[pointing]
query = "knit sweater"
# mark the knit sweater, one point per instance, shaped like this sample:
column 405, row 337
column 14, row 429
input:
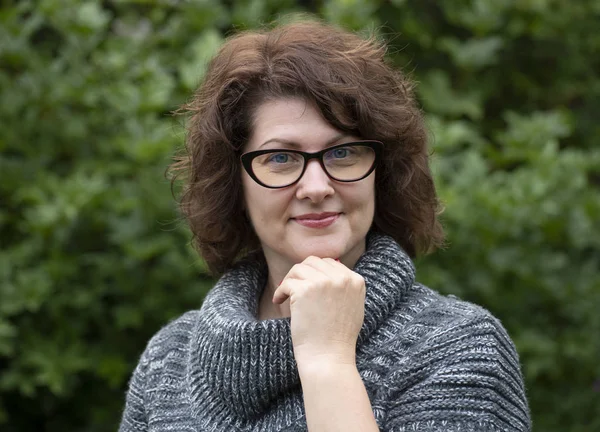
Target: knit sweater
column 429, row 362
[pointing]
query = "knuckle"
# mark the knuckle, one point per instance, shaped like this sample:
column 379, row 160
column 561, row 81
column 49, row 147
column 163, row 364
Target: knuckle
column 296, row 268
column 358, row 281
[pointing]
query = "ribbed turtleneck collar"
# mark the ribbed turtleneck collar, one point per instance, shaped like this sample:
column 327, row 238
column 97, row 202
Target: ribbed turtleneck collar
column 250, row 363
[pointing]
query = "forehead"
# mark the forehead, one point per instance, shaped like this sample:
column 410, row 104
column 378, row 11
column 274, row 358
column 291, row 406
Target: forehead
column 291, row 122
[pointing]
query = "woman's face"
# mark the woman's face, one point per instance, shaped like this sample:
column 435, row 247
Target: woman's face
column 276, row 214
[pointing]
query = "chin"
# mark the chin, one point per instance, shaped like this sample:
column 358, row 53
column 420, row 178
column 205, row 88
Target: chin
column 320, row 247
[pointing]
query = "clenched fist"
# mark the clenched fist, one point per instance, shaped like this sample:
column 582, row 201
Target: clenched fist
column 327, row 304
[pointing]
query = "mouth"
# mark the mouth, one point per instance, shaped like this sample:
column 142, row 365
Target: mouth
column 317, row 220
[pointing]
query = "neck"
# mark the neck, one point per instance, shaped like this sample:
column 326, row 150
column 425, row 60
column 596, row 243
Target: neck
column 266, row 308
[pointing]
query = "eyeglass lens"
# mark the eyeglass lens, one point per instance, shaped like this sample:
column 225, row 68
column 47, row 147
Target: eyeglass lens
column 281, row 168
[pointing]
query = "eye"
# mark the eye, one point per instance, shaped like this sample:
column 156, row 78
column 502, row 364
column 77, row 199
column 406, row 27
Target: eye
column 340, row 153
column 279, row 158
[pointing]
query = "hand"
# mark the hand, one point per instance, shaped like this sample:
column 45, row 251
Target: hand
column 327, row 304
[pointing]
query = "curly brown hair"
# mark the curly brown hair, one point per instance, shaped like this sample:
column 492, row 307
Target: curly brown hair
column 350, row 81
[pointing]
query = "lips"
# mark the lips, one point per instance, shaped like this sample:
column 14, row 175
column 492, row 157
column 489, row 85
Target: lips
column 317, row 220
column 316, row 216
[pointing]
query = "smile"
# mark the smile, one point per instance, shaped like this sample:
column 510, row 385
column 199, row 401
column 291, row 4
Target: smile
column 316, row 220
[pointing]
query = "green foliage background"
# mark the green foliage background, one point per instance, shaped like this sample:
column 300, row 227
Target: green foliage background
column 93, row 262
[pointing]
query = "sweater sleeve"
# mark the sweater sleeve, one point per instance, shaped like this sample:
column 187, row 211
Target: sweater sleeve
column 464, row 377
column 134, row 417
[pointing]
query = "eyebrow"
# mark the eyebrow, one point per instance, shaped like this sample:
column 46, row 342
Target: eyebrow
column 295, row 145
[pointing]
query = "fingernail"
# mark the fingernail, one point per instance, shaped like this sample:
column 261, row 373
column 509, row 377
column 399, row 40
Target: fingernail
column 337, row 259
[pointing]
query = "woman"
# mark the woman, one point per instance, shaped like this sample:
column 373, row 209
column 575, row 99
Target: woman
column 308, row 190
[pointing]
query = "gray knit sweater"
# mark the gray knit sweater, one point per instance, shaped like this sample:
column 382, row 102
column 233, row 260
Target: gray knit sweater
column 429, row 362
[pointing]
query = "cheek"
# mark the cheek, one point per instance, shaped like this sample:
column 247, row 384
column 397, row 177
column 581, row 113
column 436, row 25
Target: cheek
column 363, row 198
column 251, row 195
column 254, row 204
column 364, row 205
column 264, row 205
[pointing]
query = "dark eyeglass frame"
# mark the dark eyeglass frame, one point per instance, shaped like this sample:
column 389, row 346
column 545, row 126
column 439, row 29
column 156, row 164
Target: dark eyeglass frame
column 247, row 158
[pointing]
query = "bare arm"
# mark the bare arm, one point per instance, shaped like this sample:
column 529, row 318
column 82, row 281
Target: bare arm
column 335, row 398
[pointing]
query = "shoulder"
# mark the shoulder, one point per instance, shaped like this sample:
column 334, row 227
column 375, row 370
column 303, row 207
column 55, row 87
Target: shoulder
column 439, row 317
column 456, row 358
column 447, row 329
column 173, row 336
column 165, row 355
column 170, row 343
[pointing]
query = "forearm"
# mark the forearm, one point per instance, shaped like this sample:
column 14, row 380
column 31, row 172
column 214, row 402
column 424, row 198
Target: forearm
column 335, row 399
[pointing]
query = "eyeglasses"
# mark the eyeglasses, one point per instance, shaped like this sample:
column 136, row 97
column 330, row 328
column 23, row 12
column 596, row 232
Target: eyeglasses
column 279, row 168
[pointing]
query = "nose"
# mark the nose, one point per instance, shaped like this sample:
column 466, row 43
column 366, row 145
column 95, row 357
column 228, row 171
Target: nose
column 314, row 184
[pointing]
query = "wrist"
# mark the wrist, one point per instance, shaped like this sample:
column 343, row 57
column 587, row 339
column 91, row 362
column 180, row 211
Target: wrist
column 326, row 365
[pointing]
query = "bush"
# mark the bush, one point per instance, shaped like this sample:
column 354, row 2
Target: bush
column 93, row 259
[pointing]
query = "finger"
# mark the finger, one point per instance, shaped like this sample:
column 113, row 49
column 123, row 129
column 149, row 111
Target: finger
column 328, row 266
column 338, row 271
column 286, row 289
column 305, row 271
column 323, row 265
